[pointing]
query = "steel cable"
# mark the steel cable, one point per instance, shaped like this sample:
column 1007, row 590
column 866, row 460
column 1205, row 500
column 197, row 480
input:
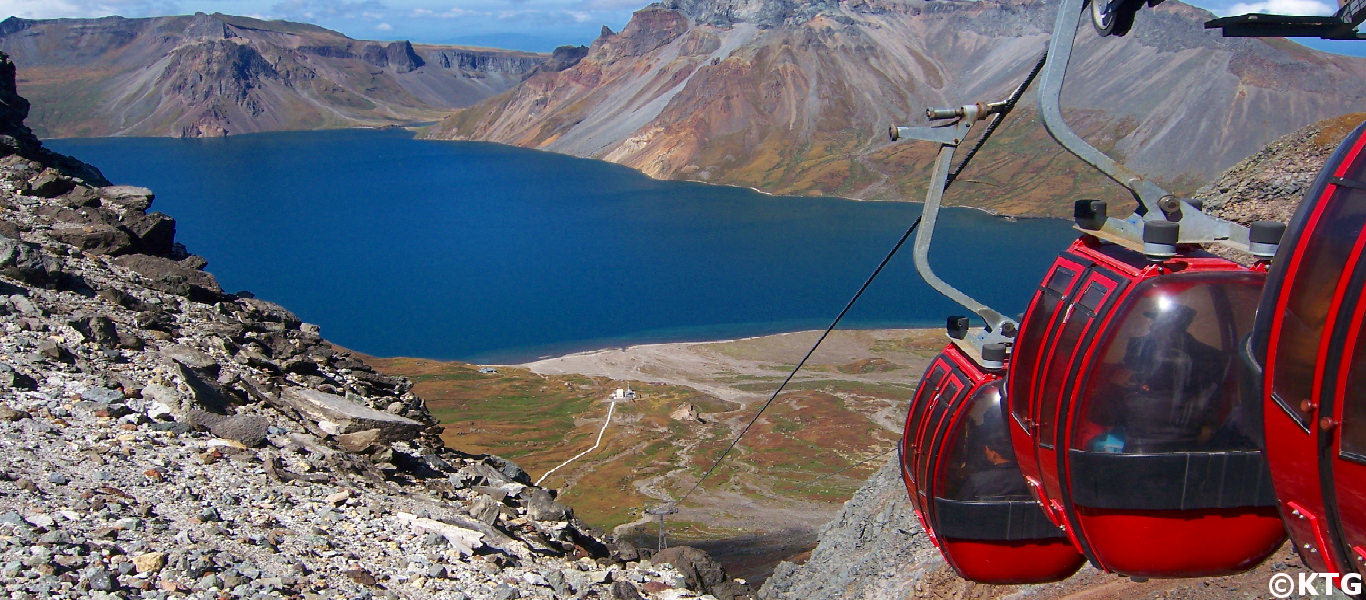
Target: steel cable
column 986, row 134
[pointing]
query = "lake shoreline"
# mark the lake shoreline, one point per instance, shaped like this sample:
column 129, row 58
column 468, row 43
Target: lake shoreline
column 697, row 365
column 491, row 253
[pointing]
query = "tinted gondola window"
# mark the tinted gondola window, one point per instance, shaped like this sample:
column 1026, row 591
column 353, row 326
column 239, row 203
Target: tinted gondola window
column 1049, row 298
column 981, row 462
column 920, row 405
column 1354, row 402
column 938, row 413
column 1060, row 364
column 1309, row 296
column 1169, row 378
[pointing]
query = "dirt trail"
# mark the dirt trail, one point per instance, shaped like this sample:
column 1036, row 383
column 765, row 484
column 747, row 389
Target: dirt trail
column 873, row 370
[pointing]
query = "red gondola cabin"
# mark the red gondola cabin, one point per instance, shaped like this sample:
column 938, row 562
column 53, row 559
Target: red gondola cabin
column 1124, row 409
column 960, row 471
column 1308, row 342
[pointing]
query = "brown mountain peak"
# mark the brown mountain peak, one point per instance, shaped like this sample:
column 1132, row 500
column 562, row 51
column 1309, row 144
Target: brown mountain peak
column 792, row 98
column 762, row 13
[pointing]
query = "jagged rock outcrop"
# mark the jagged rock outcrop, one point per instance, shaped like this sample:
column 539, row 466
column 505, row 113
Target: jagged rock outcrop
column 213, row 75
column 764, row 13
column 795, row 97
column 702, row 572
column 873, row 549
column 164, row 438
column 562, row 58
column 399, row 56
column 17, row 141
column 1270, row 184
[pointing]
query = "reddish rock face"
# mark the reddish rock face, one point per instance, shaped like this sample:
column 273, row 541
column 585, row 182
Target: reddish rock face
column 649, row 29
column 793, row 98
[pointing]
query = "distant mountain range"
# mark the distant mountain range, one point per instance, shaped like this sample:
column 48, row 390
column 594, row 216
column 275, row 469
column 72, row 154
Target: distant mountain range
column 211, row 75
column 795, row 97
column 784, row 96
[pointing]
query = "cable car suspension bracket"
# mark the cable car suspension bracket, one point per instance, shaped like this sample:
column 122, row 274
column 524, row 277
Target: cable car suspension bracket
column 999, row 328
column 1155, row 203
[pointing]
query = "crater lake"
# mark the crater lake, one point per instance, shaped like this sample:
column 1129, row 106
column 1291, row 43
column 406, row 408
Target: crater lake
column 487, row 253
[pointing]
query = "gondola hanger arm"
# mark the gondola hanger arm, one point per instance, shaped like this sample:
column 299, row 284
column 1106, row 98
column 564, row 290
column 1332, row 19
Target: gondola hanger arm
column 1154, row 202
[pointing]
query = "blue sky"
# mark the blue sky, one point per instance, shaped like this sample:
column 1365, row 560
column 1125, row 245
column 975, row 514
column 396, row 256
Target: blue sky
column 523, row 24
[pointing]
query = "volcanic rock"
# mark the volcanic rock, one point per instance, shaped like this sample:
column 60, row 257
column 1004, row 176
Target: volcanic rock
column 337, row 415
column 702, row 572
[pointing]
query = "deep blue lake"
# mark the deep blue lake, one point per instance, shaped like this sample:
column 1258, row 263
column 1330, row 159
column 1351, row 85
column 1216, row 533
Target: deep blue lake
column 487, row 253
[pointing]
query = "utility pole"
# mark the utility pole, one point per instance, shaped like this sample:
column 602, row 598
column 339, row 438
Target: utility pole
column 660, row 511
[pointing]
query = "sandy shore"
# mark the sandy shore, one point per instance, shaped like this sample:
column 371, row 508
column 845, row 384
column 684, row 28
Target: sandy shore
column 885, row 363
column 718, row 368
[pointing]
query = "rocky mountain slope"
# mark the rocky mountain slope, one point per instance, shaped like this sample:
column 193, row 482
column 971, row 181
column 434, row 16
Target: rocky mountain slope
column 876, row 549
column 796, row 97
column 211, row 75
column 162, row 438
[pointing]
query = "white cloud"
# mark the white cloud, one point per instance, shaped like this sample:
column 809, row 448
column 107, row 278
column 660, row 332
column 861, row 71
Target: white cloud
column 292, row 9
column 384, row 27
column 56, row 9
column 452, row 13
column 546, row 16
column 611, row 5
column 1283, row 7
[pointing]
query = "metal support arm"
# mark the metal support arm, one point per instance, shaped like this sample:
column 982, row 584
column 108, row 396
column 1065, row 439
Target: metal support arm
column 1154, row 202
column 948, row 138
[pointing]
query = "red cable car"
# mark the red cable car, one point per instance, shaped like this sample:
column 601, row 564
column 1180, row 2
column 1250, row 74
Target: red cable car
column 959, row 468
column 1308, row 344
column 1124, row 408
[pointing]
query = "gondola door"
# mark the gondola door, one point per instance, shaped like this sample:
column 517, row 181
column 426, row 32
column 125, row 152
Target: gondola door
column 1062, row 352
column 1345, row 468
column 1308, row 340
column 1342, row 410
column 913, row 447
column 1049, row 308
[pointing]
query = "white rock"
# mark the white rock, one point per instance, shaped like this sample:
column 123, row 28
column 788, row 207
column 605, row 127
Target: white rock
column 40, row 520
column 464, row 540
column 156, row 410
column 346, row 416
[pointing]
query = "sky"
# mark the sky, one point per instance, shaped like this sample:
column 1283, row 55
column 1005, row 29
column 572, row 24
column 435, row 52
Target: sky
column 537, row 25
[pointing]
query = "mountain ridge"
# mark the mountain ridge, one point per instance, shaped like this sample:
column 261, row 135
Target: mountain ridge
column 794, row 101
column 208, row 75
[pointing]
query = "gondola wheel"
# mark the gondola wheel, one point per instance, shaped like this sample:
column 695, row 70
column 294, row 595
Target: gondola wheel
column 1113, row 17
